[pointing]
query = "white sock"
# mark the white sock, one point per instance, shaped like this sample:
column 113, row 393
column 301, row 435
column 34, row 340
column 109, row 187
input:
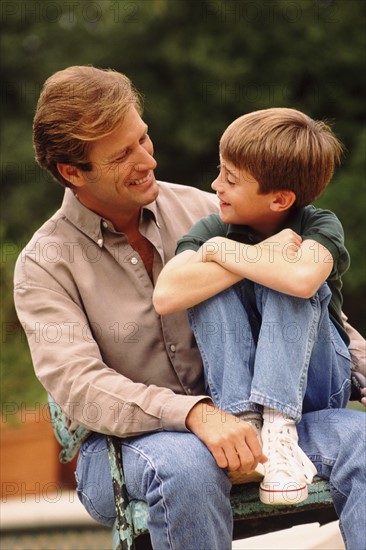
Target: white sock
column 273, row 416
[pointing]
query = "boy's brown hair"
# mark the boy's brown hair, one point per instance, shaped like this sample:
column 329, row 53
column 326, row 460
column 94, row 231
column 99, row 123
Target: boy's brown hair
column 77, row 106
column 283, row 149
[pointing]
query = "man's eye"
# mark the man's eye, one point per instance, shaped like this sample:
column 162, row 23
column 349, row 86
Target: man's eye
column 121, row 157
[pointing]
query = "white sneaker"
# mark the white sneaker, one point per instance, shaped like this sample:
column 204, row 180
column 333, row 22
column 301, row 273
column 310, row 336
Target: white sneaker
column 256, row 475
column 288, row 470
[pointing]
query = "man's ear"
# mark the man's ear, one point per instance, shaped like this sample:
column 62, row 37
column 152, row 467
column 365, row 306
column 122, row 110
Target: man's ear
column 282, row 200
column 71, row 174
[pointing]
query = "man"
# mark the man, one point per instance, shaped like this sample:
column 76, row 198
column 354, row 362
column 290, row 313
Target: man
column 83, row 292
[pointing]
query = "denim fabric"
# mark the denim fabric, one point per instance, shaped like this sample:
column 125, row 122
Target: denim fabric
column 298, row 363
column 335, row 441
column 188, row 494
column 297, row 358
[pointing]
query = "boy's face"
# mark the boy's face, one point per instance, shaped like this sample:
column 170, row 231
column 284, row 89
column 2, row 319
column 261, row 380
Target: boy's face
column 240, row 201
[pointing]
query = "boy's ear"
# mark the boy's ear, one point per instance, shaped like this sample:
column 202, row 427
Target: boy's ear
column 282, row 200
column 71, row 173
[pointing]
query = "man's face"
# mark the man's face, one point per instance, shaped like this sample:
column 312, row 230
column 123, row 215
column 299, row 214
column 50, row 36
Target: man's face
column 122, row 178
column 240, row 200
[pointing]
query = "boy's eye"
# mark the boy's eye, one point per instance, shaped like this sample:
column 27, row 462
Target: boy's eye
column 226, row 175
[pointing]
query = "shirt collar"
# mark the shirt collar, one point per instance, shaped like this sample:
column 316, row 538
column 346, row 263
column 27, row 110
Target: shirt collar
column 244, row 234
column 88, row 221
column 152, row 207
column 294, row 221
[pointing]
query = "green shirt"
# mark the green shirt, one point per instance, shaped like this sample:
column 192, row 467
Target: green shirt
column 309, row 222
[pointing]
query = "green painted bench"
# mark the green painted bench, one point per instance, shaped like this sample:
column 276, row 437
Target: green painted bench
column 251, row 517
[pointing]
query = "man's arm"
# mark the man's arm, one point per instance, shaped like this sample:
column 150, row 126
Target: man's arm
column 69, row 364
column 357, row 348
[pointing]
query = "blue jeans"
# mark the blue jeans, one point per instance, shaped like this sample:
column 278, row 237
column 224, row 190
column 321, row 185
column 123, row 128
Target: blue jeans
column 188, row 495
column 285, row 353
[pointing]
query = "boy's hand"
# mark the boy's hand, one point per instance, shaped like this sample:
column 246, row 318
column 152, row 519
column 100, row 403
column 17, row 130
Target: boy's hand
column 286, row 242
column 283, row 262
column 212, row 249
column 232, row 442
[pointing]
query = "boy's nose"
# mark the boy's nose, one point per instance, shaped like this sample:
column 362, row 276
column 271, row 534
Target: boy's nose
column 215, row 185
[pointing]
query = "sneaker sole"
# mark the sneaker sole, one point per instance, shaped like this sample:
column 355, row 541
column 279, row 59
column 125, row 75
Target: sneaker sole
column 284, row 497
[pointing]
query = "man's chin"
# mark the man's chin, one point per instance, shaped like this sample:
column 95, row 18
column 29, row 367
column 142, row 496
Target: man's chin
column 153, row 192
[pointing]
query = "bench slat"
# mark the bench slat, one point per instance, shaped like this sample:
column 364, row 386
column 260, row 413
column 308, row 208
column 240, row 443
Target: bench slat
column 252, row 517
column 245, row 501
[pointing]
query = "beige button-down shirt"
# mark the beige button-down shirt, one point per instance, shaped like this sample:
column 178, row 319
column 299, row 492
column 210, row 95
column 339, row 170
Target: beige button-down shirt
column 84, row 299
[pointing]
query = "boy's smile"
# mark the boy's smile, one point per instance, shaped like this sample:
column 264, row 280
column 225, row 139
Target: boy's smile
column 241, row 202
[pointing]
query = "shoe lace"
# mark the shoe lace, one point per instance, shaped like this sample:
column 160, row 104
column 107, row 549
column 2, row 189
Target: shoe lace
column 284, row 456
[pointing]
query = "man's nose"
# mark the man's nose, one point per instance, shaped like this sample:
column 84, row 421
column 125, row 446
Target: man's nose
column 145, row 161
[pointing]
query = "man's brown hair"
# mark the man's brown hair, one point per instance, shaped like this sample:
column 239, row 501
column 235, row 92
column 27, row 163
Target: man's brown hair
column 283, row 149
column 77, row 106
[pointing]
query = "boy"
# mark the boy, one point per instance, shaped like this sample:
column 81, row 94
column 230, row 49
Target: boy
column 273, row 344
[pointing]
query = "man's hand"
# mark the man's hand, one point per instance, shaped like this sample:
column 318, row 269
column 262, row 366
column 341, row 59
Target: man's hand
column 232, row 442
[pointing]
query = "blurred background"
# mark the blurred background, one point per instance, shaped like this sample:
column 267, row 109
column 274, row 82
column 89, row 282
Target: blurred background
column 199, row 65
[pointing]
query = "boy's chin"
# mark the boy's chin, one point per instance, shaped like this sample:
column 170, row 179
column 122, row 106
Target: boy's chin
column 226, row 218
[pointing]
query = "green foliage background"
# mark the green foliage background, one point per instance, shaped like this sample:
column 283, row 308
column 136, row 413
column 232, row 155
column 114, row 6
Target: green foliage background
column 199, row 64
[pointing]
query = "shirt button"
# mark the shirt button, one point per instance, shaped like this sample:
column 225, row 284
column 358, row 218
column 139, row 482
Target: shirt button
column 173, row 348
column 134, row 260
column 189, row 391
column 100, row 242
column 105, row 224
